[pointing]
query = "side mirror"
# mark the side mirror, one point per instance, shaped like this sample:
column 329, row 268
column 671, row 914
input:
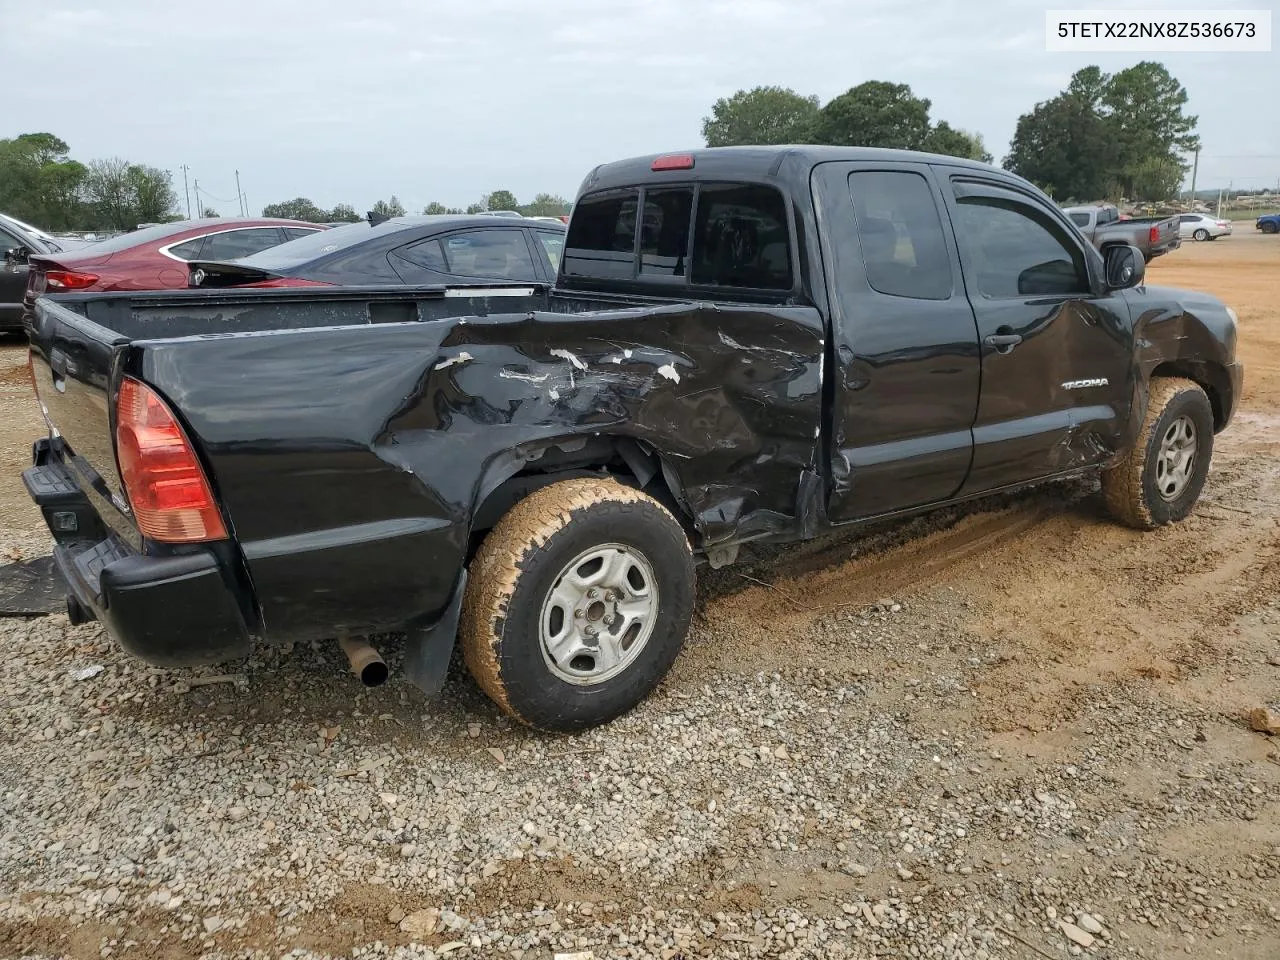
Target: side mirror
column 1125, row 266
column 16, row 255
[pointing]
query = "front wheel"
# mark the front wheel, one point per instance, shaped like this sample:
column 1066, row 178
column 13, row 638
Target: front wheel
column 577, row 604
column 1201, row 234
column 1270, row 228
column 1160, row 479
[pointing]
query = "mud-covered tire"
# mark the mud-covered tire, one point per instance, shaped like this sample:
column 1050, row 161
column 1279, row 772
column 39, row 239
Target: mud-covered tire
column 1132, row 488
column 520, row 562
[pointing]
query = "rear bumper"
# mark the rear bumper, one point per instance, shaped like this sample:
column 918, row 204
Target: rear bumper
column 167, row 610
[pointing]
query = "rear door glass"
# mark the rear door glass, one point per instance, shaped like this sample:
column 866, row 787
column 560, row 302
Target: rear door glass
column 425, row 254
column 903, row 247
column 240, row 243
column 489, row 255
column 553, row 245
column 189, row 249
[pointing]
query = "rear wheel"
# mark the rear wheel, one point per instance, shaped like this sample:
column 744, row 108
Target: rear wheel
column 1160, row 479
column 577, row 604
column 1201, row 234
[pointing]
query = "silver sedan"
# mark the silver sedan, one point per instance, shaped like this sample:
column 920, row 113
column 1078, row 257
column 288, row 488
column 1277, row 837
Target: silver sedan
column 1200, row 226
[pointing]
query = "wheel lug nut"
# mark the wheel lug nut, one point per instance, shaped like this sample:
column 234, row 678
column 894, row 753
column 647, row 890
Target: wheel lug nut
column 590, row 631
column 579, row 614
column 593, row 593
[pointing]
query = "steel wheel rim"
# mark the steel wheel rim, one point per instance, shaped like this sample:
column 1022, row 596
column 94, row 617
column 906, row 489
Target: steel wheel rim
column 598, row 614
column 1176, row 461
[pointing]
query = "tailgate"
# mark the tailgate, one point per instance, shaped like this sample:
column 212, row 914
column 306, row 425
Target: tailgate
column 72, row 360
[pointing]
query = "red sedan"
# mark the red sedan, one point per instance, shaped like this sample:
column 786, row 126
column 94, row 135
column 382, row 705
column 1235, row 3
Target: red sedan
column 155, row 258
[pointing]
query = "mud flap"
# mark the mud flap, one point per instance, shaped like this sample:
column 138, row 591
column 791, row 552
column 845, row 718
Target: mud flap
column 428, row 650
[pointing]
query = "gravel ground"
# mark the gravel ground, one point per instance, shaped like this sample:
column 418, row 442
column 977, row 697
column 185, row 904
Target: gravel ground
column 1010, row 731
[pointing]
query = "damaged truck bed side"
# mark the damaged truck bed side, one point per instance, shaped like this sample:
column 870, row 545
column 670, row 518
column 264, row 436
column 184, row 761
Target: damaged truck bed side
column 743, row 344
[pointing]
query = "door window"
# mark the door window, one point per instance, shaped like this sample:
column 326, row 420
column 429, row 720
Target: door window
column 903, row 246
column 489, row 255
column 235, row 244
column 1017, row 251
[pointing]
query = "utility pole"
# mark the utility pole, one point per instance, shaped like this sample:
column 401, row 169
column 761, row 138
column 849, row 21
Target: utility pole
column 1195, row 168
column 240, row 195
column 245, row 197
column 186, row 189
column 199, row 208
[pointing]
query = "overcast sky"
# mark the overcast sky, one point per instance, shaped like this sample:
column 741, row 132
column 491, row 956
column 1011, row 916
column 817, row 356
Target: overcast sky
column 352, row 100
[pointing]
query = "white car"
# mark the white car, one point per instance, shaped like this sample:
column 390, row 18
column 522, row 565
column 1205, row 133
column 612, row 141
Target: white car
column 1200, row 226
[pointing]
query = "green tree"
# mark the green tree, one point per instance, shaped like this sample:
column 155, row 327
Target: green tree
column 875, row 114
column 299, row 208
column 153, row 193
column 1155, row 178
column 210, row 212
column 1108, row 136
column 947, row 140
column 501, row 200
column 475, row 208
column 435, row 209
column 1064, row 145
column 39, row 183
column 388, row 208
column 343, row 213
column 110, row 192
column 1144, row 107
column 546, row 205
column 762, row 115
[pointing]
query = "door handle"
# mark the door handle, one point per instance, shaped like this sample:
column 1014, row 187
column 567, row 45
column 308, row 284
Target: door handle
column 1003, row 342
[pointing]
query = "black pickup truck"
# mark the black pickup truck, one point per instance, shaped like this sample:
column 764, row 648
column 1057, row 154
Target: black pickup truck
column 743, row 344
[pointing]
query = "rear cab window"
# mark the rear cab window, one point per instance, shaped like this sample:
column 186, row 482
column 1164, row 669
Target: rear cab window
column 709, row 235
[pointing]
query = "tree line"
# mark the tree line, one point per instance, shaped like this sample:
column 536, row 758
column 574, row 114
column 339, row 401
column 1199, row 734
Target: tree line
column 1106, row 136
column 301, row 208
column 41, row 184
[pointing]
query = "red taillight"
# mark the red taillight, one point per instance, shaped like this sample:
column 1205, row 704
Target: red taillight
column 287, row 282
column 1153, row 235
column 673, row 161
column 63, row 280
column 564, row 219
column 168, row 491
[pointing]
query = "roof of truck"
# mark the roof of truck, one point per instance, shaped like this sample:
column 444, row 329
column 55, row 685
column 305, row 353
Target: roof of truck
column 758, row 162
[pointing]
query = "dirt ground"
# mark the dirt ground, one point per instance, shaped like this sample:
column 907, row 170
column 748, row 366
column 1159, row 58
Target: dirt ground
column 1132, row 657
